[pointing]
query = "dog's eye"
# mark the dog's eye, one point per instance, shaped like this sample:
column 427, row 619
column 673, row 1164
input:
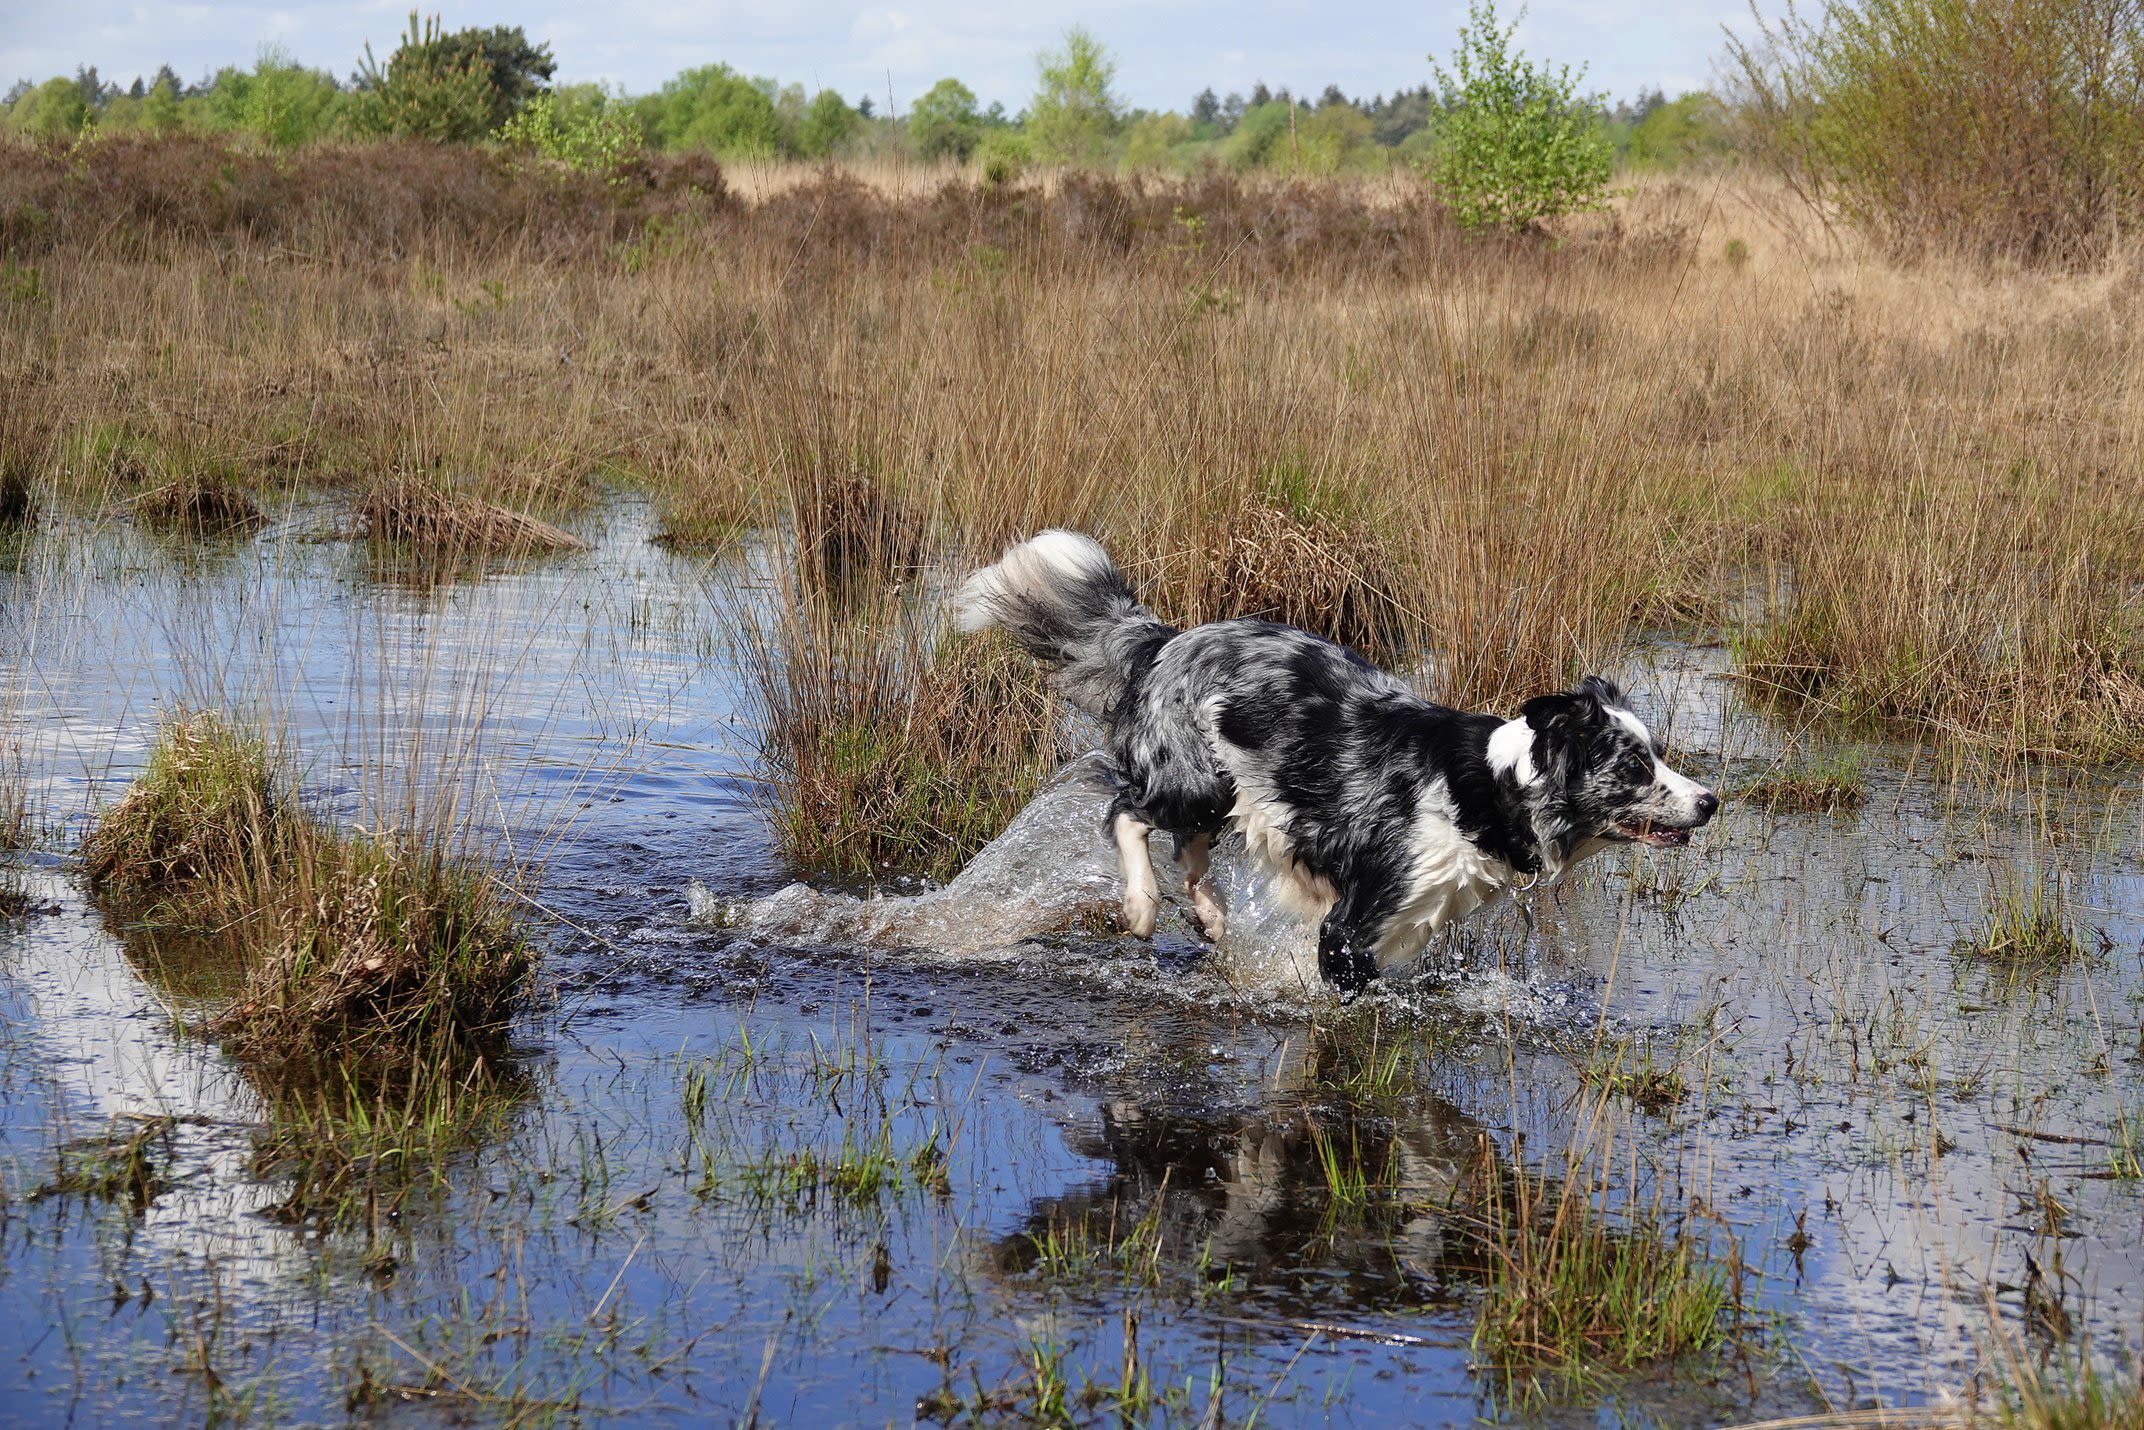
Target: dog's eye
column 1638, row 769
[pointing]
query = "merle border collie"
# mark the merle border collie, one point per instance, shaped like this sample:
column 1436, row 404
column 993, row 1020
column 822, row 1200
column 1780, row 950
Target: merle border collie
column 1374, row 811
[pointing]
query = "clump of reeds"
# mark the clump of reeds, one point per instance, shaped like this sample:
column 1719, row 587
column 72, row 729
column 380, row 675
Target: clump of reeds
column 202, row 810
column 2027, row 922
column 198, row 504
column 896, row 750
column 372, row 947
column 1821, row 784
column 1292, row 563
column 847, row 525
column 423, row 517
column 1572, row 1290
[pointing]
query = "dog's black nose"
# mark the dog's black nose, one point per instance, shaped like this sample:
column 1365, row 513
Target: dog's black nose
column 1708, row 804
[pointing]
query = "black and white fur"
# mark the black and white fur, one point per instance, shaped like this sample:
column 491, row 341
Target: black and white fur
column 1377, row 812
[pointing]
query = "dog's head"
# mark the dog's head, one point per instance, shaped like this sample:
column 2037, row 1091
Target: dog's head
column 1593, row 775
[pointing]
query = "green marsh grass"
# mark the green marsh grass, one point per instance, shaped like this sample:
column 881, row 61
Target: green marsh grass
column 1819, row 784
column 891, row 745
column 124, row 1166
column 359, row 946
column 2027, row 923
column 1574, row 1290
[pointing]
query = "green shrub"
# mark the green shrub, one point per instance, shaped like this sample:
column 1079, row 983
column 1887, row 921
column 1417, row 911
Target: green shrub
column 278, row 101
column 1517, row 143
column 53, row 110
column 1685, row 131
column 717, row 109
column 2006, row 128
column 579, row 127
column 1074, row 112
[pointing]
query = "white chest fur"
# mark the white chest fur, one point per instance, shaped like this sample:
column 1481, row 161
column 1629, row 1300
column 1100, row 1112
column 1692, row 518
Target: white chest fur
column 1446, row 878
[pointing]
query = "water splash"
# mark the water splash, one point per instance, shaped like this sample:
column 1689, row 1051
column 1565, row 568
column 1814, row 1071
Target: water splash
column 1052, row 871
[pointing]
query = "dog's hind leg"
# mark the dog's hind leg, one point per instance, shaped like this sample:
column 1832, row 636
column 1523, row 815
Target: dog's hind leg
column 1142, row 896
column 1195, row 853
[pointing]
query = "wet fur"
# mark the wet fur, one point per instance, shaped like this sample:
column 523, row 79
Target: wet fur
column 1378, row 813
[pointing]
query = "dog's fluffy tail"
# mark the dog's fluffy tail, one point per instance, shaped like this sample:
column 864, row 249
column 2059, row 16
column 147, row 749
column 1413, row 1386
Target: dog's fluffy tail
column 1063, row 601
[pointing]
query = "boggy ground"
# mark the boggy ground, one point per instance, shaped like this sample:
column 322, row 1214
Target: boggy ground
column 600, row 531
column 1082, row 1179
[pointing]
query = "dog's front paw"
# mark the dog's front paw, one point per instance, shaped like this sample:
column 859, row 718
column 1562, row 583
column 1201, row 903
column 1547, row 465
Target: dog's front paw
column 1213, row 918
column 1140, row 910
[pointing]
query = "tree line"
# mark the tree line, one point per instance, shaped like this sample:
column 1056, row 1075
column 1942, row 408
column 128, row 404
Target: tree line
column 483, row 84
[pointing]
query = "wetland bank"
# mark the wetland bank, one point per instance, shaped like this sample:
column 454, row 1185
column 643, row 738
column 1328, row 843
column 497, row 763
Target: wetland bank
column 1840, row 1107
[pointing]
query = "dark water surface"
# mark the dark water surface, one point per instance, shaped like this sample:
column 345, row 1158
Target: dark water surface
column 1075, row 1146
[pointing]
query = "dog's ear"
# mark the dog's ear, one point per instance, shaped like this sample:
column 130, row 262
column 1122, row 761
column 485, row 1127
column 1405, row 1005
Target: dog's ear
column 1570, row 712
column 1566, row 724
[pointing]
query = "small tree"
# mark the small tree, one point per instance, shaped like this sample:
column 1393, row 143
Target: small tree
column 827, row 124
column 1517, row 143
column 715, row 108
column 580, row 126
column 454, row 87
column 1074, row 112
column 943, row 121
column 53, row 110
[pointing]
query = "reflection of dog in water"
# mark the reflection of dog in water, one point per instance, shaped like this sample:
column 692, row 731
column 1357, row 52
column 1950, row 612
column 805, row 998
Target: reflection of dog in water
column 1374, row 810
column 1261, row 1193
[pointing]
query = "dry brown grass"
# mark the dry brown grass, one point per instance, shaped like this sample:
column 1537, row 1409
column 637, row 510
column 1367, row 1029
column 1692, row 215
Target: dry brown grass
column 414, row 513
column 198, row 505
column 1312, row 400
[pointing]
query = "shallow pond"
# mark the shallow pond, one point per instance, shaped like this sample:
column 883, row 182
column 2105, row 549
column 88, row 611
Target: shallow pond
column 1068, row 1160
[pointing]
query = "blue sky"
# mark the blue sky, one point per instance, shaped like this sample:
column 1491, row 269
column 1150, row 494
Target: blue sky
column 1167, row 49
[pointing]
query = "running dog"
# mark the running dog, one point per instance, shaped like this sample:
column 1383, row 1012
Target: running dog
column 1374, row 811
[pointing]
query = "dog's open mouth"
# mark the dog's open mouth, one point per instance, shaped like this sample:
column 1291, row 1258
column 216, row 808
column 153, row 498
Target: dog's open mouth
column 1660, row 836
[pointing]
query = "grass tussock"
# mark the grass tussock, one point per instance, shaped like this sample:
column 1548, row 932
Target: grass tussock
column 890, row 745
column 198, row 505
column 1822, row 784
column 378, row 949
column 2027, row 923
column 1294, row 564
column 418, row 516
column 1572, row 1290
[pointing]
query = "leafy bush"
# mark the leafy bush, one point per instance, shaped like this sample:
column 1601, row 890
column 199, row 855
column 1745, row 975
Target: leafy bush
column 717, row 109
column 1517, row 143
column 1682, row 132
column 278, row 101
column 2005, row 127
column 825, row 126
column 580, row 127
column 53, row 110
